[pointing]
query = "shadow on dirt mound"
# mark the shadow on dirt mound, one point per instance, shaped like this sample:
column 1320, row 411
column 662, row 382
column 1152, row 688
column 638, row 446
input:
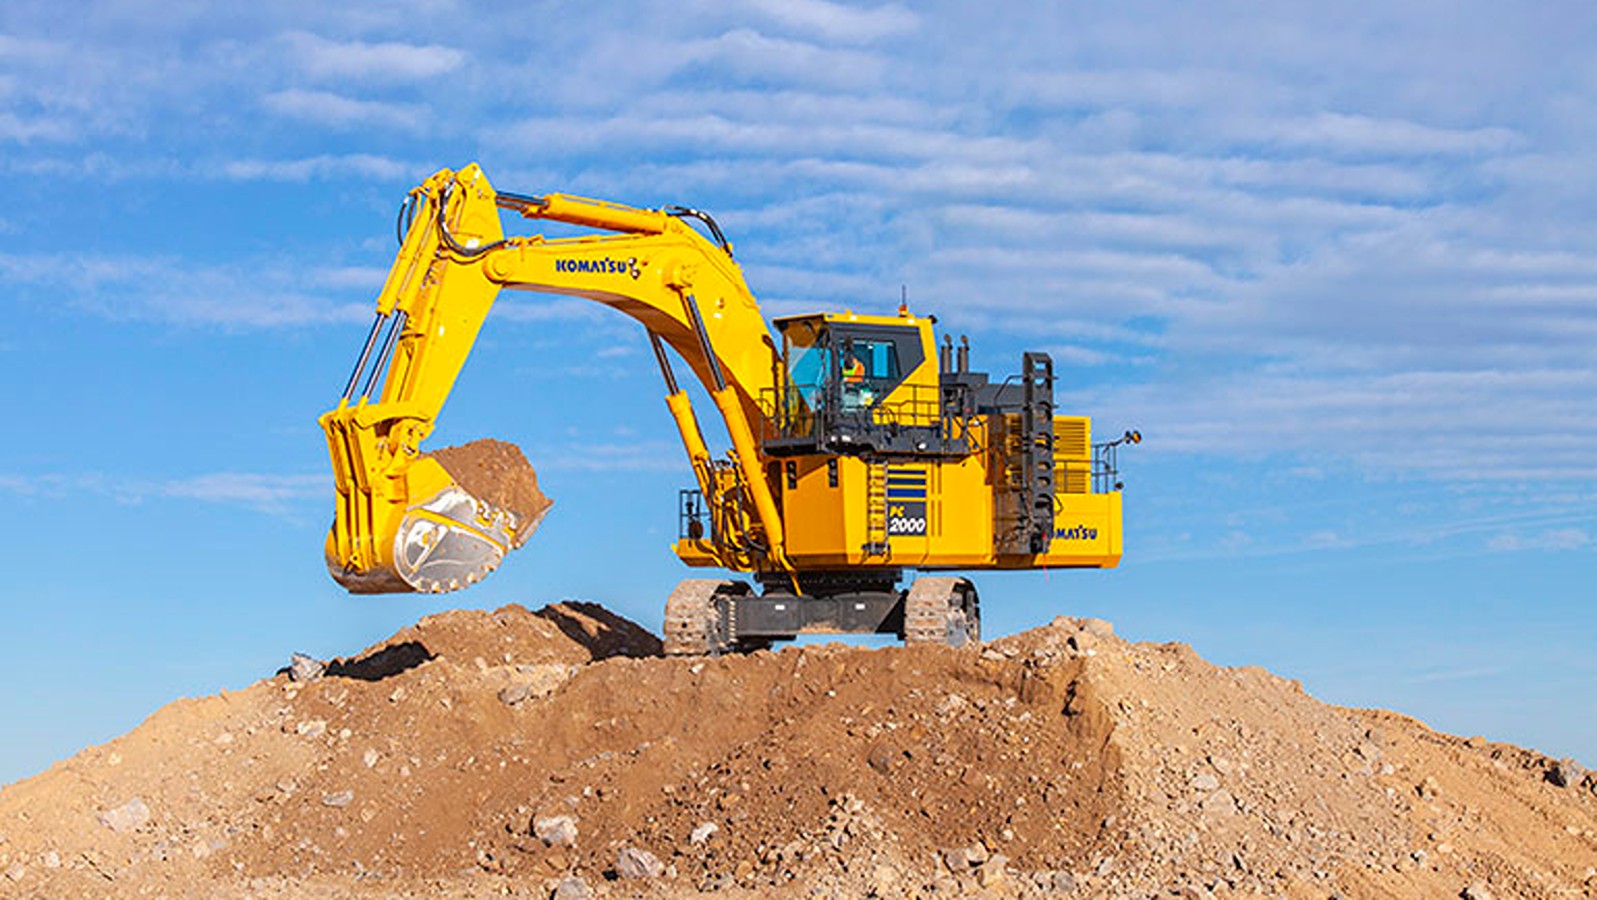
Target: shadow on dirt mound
column 379, row 664
column 599, row 631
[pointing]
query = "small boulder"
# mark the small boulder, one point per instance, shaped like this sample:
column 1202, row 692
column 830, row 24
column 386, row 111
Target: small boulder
column 1476, row 891
column 305, row 668
column 993, row 872
column 514, row 694
column 957, row 860
column 1098, row 628
column 338, row 799
column 1565, row 773
column 572, row 888
column 127, row 817
column 633, row 862
column 555, row 831
column 1219, row 803
column 1062, row 883
column 703, row 833
column 951, row 704
column 884, row 880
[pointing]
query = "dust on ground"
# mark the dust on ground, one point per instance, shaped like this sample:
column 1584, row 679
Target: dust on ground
column 556, row 753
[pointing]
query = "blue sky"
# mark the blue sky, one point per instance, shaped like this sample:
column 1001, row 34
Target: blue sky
column 1339, row 265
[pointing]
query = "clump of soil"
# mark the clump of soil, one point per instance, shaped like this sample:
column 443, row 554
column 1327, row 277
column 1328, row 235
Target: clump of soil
column 513, row 752
column 498, row 473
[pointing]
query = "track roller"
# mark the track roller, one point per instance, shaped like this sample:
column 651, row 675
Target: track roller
column 941, row 610
column 696, row 618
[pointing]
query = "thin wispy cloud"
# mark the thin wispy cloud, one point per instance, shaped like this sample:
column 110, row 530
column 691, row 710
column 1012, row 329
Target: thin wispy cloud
column 1555, row 539
column 840, row 22
column 322, row 58
column 600, row 456
column 357, row 165
column 1340, row 133
column 326, row 108
column 269, row 493
column 162, row 289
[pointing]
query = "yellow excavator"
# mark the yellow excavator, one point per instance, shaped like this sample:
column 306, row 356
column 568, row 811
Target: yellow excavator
column 859, row 448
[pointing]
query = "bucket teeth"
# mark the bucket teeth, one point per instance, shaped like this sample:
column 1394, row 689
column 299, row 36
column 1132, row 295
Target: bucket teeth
column 433, row 523
column 443, row 544
column 451, row 540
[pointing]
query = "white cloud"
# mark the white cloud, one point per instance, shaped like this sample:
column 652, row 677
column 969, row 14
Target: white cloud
column 1464, row 426
column 271, row 493
column 800, row 139
column 1567, row 539
column 587, row 456
column 259, row 295
column 339, row 111
column 366, row 278
column 262, row 492
column 1159, row 88
column 14, row 49
column 1555, row 539
column 1326, row 539
column 359, row 165
column 838, row 22
column 1344, row 133
column 748, row 54
column 24, row 130
column 323, row 58
column 1080, row 356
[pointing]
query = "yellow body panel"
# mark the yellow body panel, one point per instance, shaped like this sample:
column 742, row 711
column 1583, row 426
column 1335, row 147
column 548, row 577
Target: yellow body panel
column 826, row 505
column 1086, row 532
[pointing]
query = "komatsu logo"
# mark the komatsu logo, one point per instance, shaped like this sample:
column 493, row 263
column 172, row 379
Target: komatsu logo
column 605, row 266
column 1078, row 533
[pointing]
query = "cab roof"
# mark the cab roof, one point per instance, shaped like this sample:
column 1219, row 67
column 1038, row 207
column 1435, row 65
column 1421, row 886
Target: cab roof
column 847, row 317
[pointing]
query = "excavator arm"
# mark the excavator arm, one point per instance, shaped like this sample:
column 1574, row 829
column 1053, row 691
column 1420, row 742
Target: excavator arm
column 403, row 521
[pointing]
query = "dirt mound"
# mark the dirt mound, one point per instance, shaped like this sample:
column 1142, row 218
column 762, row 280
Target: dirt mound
column 497, row 472
column 481, row 753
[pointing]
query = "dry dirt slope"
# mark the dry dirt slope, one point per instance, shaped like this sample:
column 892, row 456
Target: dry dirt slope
column 484, row 754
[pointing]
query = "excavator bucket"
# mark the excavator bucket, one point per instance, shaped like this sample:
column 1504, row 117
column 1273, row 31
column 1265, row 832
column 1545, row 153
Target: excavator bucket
column 436, row 523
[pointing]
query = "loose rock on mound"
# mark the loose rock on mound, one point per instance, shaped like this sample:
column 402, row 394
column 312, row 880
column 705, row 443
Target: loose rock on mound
column 522, row 753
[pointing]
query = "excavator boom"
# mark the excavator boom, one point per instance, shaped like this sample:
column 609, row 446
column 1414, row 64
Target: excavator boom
column 404, row 522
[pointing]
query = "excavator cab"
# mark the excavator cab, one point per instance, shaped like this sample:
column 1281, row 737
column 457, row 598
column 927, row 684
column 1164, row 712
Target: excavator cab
column 851, row 384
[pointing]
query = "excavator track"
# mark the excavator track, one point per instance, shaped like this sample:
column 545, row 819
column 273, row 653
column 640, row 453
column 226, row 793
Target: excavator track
column 693, row 623
column 941, row 610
